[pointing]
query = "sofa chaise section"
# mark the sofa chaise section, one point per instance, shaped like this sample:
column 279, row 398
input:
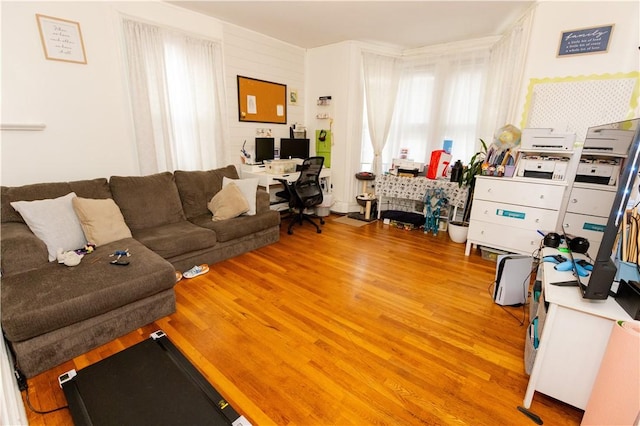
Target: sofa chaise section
column 51, row 312
column 54, row 313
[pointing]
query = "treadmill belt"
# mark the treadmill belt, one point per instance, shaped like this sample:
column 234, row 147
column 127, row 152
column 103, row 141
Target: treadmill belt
column 150, row 383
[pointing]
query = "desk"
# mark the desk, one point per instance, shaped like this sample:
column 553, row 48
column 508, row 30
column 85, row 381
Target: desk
column 413, row 189
column 573, row 340
column 268, row 179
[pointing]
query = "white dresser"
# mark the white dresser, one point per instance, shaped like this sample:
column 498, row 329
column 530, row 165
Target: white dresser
column 508, row 212
column 588, row 210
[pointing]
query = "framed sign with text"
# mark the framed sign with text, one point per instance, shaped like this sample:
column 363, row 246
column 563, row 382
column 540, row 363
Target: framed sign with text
column 585, row 40
column 61, row 39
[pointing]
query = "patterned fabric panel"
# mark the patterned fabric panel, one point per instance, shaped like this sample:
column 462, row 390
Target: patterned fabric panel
column 416, row 188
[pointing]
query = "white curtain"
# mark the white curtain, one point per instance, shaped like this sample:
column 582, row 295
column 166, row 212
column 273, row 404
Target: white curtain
column 439, row 99
column 177, row 96
column 507, row 72
column 381, row 77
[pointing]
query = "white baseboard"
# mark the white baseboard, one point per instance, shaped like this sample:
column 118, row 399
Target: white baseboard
column 11, row 407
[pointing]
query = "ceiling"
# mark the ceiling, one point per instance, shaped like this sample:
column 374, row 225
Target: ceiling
column 404, row 24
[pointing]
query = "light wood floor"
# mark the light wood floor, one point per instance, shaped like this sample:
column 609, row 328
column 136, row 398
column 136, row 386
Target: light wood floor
column 362, row 326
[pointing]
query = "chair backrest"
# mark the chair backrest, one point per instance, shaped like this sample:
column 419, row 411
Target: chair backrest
column 307, row 186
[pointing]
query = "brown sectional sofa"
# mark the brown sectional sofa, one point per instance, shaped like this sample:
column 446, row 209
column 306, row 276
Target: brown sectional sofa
column 52, row 313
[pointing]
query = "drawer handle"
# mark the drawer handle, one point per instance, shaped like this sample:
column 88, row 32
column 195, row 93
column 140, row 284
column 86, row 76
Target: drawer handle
column 486, row 211
column 574, row 200
column 542, row 197
column 537, row 220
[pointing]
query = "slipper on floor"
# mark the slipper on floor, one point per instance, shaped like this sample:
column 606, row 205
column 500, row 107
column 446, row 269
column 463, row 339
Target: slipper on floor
column 195, row 271
column 178, row 276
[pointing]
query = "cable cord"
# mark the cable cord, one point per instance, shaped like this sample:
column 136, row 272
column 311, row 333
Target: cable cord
column 23, row 385
column 520, row 321
column 31, row 407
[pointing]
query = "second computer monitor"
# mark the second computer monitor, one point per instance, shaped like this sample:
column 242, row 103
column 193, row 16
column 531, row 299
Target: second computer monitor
column 294, row 148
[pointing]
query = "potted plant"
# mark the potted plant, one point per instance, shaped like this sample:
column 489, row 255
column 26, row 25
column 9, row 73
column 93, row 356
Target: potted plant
column 458, row 229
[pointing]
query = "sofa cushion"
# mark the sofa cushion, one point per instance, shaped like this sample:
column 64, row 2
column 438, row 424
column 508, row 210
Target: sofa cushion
column 240, row 226
column 249, row 188
column 176, row 238
column 92, row 188
column 101, row 220
column 228, row 203
column 55, row 296
column 21, row 250
column 147, row 201
column 54, row 221
column 198, row 187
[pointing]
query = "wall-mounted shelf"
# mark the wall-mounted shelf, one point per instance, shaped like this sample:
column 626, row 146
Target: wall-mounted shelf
column 23, row 126
column 323, row 102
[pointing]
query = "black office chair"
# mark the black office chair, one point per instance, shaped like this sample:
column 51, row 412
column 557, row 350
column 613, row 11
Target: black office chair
column 304, row 193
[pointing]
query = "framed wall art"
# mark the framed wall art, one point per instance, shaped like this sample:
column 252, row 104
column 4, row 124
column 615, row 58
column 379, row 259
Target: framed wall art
column 585, row 40
column 61, row 39
column 261, row 101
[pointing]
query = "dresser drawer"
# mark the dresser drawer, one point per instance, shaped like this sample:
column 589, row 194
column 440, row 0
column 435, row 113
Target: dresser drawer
column 502, row 190
column 589, row 227
column 517, row 240
column 591, row 201
column 513, row 215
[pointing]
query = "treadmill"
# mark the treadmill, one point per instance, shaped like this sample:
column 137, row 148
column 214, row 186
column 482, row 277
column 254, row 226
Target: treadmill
column 150, row 383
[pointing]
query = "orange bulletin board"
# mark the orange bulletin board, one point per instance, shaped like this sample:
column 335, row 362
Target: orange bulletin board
column 261, row 101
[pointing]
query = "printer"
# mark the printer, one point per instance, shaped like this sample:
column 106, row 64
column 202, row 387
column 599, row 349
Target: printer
column 543, row 167
column 600, row 171
column 610, row 141
column 546, row 139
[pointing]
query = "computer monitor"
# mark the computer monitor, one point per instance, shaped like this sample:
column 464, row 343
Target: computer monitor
column 294, row 148
column 264, row 149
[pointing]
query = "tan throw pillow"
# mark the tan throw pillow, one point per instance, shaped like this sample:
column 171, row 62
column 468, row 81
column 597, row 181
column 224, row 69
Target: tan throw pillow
column 227, row 203
column 248, row 187
column 101, row 220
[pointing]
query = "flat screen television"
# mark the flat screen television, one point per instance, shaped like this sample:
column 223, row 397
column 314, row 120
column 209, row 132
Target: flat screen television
column 294, row 148
column 264, row 149
column 597, row 284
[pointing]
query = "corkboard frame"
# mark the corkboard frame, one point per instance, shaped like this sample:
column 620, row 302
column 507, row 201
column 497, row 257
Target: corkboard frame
column 261, row 101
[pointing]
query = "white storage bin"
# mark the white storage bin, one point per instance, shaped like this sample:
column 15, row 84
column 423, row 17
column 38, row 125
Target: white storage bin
column 324, row 208
column 279, row 167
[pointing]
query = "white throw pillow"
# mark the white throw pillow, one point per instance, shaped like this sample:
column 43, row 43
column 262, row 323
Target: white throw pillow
column 249, row 187
column 54, row 221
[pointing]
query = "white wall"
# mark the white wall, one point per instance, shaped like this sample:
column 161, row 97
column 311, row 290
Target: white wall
column 250, row 54
column 554, row 17
column 82, row 106
column 86, row 107
column 335, row 71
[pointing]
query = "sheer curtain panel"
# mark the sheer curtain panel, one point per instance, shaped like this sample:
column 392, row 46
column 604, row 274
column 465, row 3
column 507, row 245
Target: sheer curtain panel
column 506, row 68
column 177, row 97
column 381, row 77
